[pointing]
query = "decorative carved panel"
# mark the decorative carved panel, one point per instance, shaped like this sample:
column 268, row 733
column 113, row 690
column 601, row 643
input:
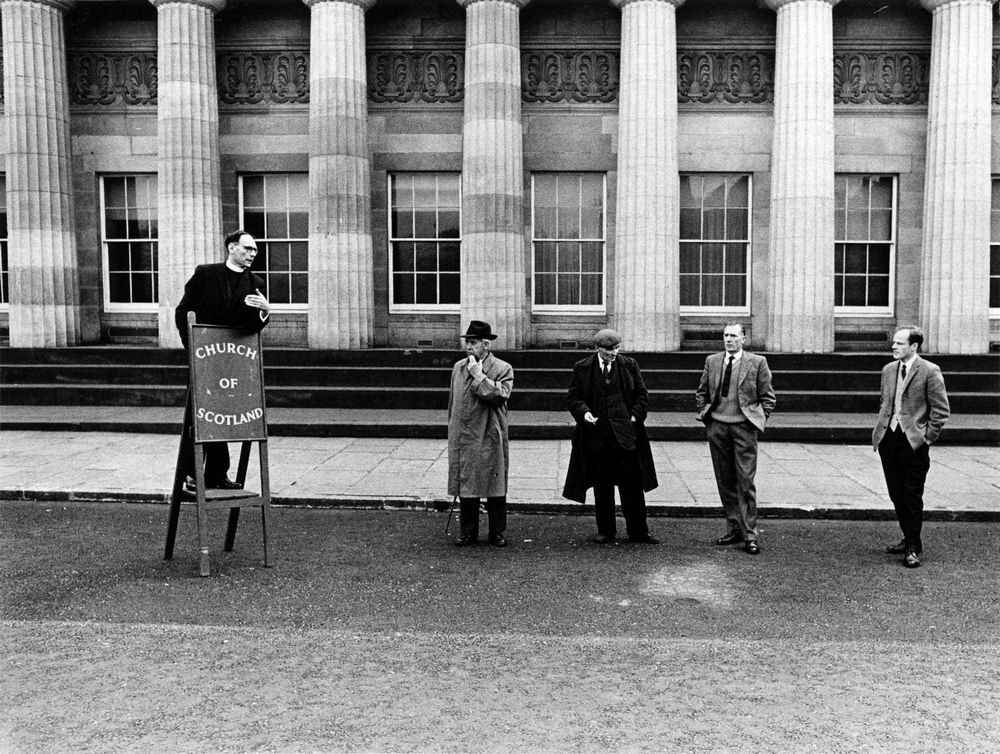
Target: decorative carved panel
column 416, row 76
column 880, row 78
column 569, row 75
column 112, row 78
column 252, row 78
column 739, row 78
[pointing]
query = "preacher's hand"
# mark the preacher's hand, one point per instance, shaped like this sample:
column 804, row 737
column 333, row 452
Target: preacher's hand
column 258, row 301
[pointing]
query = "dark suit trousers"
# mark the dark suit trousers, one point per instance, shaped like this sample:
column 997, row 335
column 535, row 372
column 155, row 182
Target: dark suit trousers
column 496, row 511
column 216, row 453
column 734, row 458
column 620, row 468
column 905, row 472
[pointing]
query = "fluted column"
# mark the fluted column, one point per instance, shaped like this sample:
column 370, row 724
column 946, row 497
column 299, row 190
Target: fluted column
column 44, row 291
column 800, row 312
column 954, row 282
column 646, row 278
column 340, row 241
column 188, row 188
column 493, row 283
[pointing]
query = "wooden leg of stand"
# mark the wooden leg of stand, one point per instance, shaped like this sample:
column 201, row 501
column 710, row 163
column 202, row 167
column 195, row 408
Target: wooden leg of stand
column 241, row 469
column 265, row 493
column 175, row 503
column 234, row 519
column 204, row 561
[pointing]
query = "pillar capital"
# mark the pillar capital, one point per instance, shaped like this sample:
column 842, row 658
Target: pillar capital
column 778, row 4
column 213, row 5
column 933, row 5
column 63, row 5
column 365, row 5
column 519, row 3
column 620, row 4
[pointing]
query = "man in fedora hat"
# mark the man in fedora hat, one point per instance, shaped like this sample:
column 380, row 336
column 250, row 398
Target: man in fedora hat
column 608, row 399
column 478, row 445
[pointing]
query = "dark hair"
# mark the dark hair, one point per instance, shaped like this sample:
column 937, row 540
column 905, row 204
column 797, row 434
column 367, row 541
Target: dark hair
column 916, row 335
column 234, row 237
column 743, row 330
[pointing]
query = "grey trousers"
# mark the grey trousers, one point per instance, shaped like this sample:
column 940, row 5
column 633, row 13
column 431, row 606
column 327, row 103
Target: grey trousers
column 734, row 458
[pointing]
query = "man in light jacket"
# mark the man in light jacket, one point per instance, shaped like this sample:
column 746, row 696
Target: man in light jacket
column 913, row 410
column 734, row 399
column 478, row 444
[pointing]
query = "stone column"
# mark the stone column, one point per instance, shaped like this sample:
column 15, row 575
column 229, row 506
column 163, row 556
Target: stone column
column 800, row 285
column 646, row 278
column 188, row 183
column 954, row 282
column 340, row 241
column 44, row 290
column 493, row 247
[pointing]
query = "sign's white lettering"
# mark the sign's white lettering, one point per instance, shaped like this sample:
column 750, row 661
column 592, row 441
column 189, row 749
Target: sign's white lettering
column 212, row 349
column 230, row 420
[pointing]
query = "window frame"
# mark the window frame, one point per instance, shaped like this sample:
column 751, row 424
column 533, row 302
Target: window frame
column 240, row 209
column 146, row 307
column 572, row 309
column 994, row 311
column 720, row 311
column 871, row 311
column 4, row 244
column 395, row 308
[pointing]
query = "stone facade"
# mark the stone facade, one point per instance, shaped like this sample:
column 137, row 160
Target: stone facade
column 741, row 97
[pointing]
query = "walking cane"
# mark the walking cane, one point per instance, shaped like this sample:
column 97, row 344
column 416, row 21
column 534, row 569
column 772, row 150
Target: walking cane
column 451, row 512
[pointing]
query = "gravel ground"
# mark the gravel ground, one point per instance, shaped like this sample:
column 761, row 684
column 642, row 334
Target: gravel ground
column 373, row 633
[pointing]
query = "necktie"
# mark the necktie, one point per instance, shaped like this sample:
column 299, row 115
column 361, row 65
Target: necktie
column 726, row 377
column 904, row 371
column 607, row 370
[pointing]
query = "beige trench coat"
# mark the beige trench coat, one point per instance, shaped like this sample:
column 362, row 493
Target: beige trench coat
column 478, row 445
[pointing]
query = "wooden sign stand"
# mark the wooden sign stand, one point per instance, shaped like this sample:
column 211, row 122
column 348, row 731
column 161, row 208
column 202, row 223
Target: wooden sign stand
column 229, row 408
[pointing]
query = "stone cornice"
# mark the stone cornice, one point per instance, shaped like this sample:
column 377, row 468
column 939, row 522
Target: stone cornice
column 622, row 3
column 213, row 5
column 519, row 3
column 777, row 4
column 365, row 5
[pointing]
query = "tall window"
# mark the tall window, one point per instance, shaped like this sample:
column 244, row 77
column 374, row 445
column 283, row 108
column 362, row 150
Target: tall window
column 275, row 211
column 4, row 279
column 715, row 243
column 994, row 248
column 865, row 243
column 425, row 241
column 129, row 241
column 567, row 234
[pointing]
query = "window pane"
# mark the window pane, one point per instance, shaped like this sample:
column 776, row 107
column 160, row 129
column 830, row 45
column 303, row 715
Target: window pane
column 277, row 225
column 838, row 259
column 739, row 192
column 253, row 191
column 591, row 257
column 545, row 256
column 878, row 290
column 689, row 290
column 402, row 223
column 427, row 289
column 275, row 192
column 426, row 258
column 114, row 192
column 118, row 288
column 402, row 288
column 298, row 191
column 878, row 259
column 714, row 223
column 735, row 289
column 736, row 224
column 545, row 289
column 854, row 290
column 545, row 222
column 881, row 192
column 448, row 224
column 448, row 257
column 714, row 191
column 298, row 225
column 881, row 225
column 591, row 290
column 448, row 191
column 402, row 256
column 450, row 288
column 278, row 287
column 424, row 190
column 838, row 290
column 569, row 222
column 857, row 224
column 425, row 223
column 736, row 258
column 142, row 256
column 995, row 260
column 142, row 288
column 115, row 223
column 690, row 258
column 995, row 293
column 277, row 257
column 711, row 290
column 690, row 223
column 299, row 256
column 856, row 259
column 300, row 288
column 711, row 257
column 118, row 257
column 253, row 223
column 545, row 190
column 569, row 290
column 690, row 193
column 569, row 258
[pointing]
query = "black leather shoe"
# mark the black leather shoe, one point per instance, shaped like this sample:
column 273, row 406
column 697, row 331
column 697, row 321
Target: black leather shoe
column 604, row 539
column 647, row 539
column 732, row 538
column 752, row 547
column 497, row 540
column 464, row 541
column 897, row 549
column 223, row 484
column 912, row 559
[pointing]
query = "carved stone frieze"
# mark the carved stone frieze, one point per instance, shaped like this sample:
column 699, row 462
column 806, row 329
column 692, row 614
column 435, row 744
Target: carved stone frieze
column 569, row 75
column 738, row 77
column 416, row 76
column 112, row 78
column 880, row 78
column 253, row 78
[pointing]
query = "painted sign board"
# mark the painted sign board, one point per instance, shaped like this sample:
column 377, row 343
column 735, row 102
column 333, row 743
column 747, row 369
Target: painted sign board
column 227, row 384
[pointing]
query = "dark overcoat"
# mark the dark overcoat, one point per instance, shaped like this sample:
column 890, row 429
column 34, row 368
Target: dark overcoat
column 589, row 440
column 207, row 293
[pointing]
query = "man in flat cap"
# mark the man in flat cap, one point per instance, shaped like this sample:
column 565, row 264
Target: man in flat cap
column 478, row 444
column 609, row 401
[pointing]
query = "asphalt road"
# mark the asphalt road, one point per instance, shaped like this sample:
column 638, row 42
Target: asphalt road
column 373, row 633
